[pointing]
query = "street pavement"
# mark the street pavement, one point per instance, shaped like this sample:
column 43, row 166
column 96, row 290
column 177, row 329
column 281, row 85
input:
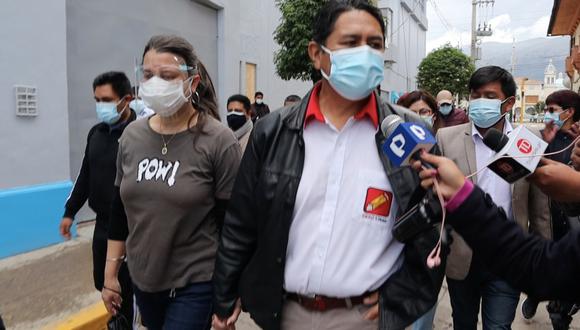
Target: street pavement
column 52, row 284
column 44, row 286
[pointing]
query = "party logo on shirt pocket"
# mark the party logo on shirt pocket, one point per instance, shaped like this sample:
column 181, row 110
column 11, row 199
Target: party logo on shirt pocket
column 378, row 202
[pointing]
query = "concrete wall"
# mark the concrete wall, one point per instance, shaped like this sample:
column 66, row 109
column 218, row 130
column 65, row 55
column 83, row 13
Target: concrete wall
column 108, row 35
column 35, row 149
column 258, row 21
column 34, row 171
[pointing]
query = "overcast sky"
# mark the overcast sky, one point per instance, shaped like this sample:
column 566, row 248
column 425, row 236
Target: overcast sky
column 522, row 19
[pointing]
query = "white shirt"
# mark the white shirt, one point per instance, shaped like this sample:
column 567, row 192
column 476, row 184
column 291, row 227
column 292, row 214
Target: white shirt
column 487, row 180
column 340, row 242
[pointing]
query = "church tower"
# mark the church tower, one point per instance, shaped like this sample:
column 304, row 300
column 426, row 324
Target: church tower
column 550, row 74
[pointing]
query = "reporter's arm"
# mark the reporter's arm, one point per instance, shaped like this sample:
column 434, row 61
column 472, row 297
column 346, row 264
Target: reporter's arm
column 543, row 269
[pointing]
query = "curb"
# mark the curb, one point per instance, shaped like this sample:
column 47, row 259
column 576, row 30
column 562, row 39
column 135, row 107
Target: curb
column 94, row 317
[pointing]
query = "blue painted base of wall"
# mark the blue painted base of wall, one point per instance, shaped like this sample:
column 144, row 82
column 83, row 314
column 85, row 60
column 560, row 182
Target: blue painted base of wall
column 30, row 217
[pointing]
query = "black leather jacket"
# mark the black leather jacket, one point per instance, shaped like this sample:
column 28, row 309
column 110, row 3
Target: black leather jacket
column 251, row 256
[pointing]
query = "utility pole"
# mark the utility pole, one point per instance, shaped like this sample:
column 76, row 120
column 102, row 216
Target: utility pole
column 523, row 101
column 474, row 31
column 513, row 60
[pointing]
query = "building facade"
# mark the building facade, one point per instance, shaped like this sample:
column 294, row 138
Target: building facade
column 406, row 33
column 534, row 91
column 55, row 48
column 565, row 21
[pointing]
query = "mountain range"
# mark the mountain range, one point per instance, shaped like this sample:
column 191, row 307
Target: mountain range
column 532, row 56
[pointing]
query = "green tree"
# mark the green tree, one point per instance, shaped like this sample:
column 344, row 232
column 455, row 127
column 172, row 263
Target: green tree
column 293, row 35
column 445, row 68
column 539, row 107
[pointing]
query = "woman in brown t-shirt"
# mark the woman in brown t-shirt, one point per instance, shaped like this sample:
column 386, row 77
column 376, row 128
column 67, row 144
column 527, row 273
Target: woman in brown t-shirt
column 175, row 172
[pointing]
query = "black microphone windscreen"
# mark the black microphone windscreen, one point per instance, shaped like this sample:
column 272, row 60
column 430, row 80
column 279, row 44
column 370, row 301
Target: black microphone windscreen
column 495, row 140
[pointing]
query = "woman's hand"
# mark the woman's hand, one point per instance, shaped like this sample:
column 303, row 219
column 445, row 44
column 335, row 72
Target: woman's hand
column 448, row 175
column 549, row 132
column 230, row 322
column 111, row 295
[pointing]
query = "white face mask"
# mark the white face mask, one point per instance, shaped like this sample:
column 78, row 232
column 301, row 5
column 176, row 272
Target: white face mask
column 164, row 97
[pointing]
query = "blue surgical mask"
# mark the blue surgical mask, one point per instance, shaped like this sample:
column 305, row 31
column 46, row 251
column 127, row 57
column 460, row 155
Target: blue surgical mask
column 445, row 109
column 485, row 112
column 555, row 117
column 355, row 72
column 428, row 120
column 137, row 105
column 107, row 112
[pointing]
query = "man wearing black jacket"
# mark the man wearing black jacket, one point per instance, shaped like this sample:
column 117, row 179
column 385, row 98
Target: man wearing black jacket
column 541, row 268
column 259, row 108
column 307, row 235
column 95, row 182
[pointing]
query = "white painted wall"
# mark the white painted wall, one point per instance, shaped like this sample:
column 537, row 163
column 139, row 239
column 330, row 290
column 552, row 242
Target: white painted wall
column 36, row 149
column 108, row 35
column 61, row 45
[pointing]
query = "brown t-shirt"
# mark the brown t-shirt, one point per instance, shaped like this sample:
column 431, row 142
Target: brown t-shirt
column 169, row 199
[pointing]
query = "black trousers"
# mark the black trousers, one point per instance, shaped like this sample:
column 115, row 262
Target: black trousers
column 99, row 259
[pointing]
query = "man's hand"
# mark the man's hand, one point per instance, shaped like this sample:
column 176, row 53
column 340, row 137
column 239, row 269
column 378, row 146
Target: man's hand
column 549, row 132
column 448, row 175
column 229, row 323
column 576, row 156
column 65, row 226
column 373, row 301
column 557, row 180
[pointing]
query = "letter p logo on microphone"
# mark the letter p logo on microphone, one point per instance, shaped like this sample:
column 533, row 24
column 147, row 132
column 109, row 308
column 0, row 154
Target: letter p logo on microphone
column 405, row 140
column 397, row 145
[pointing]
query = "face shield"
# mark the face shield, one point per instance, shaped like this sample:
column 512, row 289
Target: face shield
column 167, row 72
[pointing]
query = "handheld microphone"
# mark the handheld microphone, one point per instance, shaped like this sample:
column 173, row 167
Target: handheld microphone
column 405, row 141
column 403, row 144
column 517, row 155
column 495, row 140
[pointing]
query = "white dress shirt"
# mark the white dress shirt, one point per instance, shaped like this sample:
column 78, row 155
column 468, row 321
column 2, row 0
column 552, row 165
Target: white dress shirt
column 340, row 242
column 499, row 190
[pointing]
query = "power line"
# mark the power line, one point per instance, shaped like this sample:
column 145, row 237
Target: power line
column 439, row 14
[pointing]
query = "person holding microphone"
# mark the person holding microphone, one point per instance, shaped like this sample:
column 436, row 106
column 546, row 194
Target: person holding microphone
column 542, row 268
